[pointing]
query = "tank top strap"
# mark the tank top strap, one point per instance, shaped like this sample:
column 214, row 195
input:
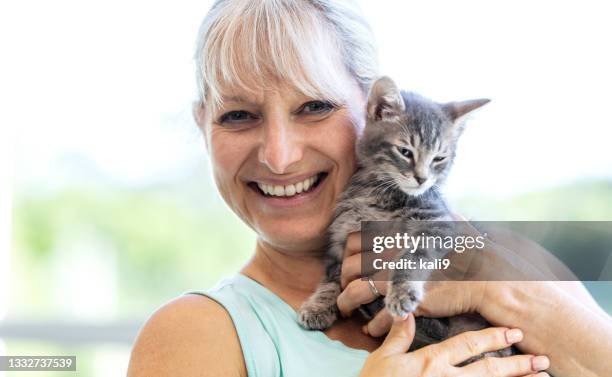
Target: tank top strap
column 258, row 349
column 272, row 342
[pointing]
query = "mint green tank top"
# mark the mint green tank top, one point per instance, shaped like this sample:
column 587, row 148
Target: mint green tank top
column 272, row 342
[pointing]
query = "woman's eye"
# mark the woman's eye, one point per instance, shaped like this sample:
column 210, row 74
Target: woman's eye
column 405, row 152
column 439, row 158
column 239, row 116
column 316, row 107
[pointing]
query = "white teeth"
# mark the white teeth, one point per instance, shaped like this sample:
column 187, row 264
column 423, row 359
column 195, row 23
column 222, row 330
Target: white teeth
column 288, row 190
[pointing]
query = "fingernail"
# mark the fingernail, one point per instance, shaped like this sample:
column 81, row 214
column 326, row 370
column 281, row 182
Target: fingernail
column 540, row 363
column 514, row 336
column 401, row 318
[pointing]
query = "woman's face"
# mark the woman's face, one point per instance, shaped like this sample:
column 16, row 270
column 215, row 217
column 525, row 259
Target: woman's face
column 281, row 160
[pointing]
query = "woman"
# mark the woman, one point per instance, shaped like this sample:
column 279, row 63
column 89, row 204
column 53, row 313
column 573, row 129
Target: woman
column 282, row 91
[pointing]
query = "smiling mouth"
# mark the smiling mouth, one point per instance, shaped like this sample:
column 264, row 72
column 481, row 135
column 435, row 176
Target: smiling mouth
column 291, row 190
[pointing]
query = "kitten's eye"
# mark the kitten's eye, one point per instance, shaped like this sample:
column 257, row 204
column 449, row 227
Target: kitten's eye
column 405, row 152
column 237, row 117
column 316, row 108
column 439, row 158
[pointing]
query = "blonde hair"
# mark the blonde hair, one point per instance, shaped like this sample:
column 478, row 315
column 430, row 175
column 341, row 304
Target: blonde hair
column 253, row 44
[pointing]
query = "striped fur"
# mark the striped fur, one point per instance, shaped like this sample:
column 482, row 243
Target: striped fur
column 404, row 155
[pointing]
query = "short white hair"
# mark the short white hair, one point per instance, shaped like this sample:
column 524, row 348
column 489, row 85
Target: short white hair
column 252, row 44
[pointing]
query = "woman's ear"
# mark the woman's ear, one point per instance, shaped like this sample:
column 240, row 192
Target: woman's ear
column 199, row 116
column 197, row 109
column 385, row 100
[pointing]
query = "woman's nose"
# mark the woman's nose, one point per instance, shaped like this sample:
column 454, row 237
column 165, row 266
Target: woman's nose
column 281, row 145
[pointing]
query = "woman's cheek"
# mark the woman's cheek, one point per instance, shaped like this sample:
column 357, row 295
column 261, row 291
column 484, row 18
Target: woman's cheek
column 344, row 148
column 226, row 155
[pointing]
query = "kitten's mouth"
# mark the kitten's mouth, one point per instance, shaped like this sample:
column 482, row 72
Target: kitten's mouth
column 295, row 189
column 415, row 188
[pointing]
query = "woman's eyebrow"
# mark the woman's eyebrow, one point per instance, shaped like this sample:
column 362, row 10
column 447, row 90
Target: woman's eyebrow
column 241, row 99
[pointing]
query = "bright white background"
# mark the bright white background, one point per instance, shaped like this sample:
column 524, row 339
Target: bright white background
column 106, row 87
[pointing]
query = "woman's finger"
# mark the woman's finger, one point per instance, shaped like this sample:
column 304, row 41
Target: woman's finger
column 353, row 244
column 512, row 366
column 351, row 269
column 356, row 293
column 448, row 298
column 379, row 325
column 400, row 337
column 473, row 343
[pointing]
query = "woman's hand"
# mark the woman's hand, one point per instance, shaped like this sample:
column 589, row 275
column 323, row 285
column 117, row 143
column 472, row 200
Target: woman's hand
column 356, row 292
column 392, row 358
column 515, row 257
column 555, row 315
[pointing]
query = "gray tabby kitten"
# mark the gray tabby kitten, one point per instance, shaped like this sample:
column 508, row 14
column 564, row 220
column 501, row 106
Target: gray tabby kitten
column 405, row 153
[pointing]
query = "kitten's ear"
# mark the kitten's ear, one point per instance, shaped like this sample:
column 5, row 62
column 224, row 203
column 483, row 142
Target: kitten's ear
column 456, row 110
column 385, row 100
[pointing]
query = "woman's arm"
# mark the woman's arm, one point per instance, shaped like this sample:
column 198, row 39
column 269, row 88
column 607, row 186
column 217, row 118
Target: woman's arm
column 190, row 336
column 580, row 293
column 531, row 251
column 577, row 340
column 559, row 319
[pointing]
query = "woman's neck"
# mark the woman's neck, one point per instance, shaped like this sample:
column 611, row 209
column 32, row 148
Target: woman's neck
column 293, row 276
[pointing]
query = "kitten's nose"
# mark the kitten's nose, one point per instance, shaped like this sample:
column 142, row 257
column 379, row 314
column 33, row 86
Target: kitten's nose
column 420, row 180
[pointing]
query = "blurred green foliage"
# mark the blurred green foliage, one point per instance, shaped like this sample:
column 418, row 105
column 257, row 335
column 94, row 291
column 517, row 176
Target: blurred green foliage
column 172, row 238
column 167, row 240
column 583, row 201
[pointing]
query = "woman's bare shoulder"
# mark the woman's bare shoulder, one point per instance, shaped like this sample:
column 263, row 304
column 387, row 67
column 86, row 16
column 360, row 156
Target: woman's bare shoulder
column 190, row 336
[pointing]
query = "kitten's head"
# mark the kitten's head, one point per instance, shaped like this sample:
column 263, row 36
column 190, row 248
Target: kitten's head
column 409, row 141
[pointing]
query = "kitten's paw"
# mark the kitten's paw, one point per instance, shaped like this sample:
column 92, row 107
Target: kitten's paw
column 403, row 299
column 317, row 316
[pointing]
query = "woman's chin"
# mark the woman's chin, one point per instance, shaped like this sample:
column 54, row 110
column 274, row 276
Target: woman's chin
column 295, row 237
